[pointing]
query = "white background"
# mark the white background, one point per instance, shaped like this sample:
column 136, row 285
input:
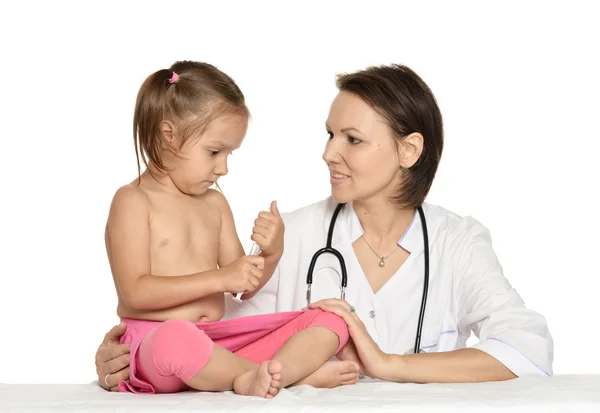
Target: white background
column 517, row 82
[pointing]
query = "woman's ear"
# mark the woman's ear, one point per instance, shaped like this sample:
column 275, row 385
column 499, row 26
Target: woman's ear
column 410, row 150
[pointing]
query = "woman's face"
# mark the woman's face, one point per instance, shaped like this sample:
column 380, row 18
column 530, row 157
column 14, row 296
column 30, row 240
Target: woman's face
column 364, row 163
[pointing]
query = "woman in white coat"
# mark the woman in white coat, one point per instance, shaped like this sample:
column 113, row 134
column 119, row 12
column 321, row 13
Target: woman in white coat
column 385, row 140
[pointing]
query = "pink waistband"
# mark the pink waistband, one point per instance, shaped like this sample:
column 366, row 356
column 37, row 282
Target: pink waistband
column 231, row 334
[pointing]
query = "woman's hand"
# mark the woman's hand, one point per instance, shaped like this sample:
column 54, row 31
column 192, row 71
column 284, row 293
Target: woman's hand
column 361, row 347
column 268, row 232
column 112, row 359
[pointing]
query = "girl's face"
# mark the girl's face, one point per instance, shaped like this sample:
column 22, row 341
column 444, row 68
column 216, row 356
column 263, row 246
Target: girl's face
column 201, row 161
column 363, row 161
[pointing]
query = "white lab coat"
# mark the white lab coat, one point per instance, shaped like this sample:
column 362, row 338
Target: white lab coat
column 467, row 289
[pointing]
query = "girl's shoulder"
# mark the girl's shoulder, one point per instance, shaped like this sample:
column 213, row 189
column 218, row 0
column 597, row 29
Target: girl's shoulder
column 130, row 195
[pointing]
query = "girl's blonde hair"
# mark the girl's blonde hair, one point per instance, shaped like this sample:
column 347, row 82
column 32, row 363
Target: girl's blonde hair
column 189, row 94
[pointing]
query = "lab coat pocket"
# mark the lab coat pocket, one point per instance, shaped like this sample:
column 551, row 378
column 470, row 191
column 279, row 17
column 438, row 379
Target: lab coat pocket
column 437, row 339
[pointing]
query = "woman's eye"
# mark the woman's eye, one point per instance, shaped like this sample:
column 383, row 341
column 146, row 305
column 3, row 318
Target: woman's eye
column 353, row 141
column 214, row 153
column 329, row 135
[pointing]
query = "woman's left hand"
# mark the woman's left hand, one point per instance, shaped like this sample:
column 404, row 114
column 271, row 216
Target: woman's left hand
column 372, row 359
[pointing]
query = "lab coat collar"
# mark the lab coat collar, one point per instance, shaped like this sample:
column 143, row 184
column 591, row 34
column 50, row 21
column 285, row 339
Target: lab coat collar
column 411, row 240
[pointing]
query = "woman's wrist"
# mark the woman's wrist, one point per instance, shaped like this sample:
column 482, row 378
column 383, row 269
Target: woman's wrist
column 393, row 368
column 458, row 366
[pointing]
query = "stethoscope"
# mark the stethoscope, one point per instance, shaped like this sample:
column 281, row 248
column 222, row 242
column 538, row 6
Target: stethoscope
column 344, row 283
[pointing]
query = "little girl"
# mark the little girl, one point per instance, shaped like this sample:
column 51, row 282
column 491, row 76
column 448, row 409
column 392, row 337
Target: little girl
column 174, row 252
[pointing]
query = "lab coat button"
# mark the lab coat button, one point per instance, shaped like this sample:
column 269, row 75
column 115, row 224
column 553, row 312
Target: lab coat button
column 372, row 314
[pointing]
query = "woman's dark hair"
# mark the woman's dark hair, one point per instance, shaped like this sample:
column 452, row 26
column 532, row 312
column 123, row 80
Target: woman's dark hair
column 407, row 104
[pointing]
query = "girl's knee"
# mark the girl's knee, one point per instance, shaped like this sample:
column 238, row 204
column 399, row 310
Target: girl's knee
column 178, row 347
column 334, row 323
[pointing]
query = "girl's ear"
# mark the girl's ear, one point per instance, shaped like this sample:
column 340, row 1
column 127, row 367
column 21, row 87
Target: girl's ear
column 166, row 129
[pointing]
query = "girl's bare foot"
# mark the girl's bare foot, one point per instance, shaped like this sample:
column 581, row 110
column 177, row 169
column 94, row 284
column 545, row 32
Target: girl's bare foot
column 262, row 382
column 332, row 374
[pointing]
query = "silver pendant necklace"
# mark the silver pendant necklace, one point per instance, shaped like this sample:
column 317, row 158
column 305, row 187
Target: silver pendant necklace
column 381, row 257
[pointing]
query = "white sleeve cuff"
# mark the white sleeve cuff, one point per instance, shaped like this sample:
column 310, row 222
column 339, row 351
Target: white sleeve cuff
column 512, row 358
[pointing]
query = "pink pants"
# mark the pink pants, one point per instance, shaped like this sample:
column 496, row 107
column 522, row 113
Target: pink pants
column 164, row 355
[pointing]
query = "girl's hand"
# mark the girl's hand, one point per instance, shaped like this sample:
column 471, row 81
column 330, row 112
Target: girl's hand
column 268, row 232
column 242, row 275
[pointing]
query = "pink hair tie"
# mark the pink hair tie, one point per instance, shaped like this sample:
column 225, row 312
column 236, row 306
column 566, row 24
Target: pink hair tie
column 174, row 78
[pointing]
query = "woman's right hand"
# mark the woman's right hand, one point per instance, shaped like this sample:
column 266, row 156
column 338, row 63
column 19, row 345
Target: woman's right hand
column 112, row 359
column 244, row 274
